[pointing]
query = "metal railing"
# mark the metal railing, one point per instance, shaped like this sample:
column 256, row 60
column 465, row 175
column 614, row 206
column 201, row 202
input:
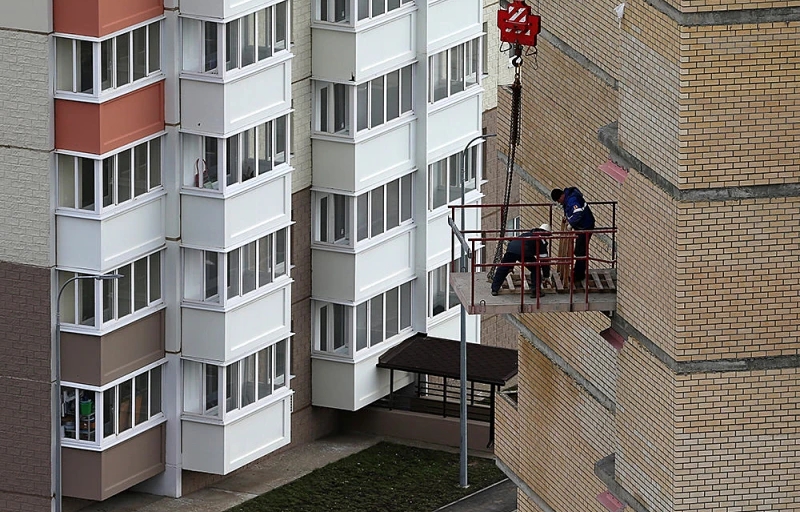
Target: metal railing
column 565, row 263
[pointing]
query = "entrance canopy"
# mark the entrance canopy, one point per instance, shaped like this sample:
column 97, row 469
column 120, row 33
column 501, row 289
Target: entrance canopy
column 437, row 356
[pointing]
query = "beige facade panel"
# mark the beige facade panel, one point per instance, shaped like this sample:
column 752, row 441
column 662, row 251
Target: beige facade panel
column 740, row 105
column 99, row 475
column 98, row 360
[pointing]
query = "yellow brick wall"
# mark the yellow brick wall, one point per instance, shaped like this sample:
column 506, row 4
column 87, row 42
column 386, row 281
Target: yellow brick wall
column 564, row 432
column 739, row 438
column 649, row 88
column 506, row 444
column 740, row 99
column 590, row 27
column 729, row 5
column 645, row 450
column 646, row 287
column 738, row 286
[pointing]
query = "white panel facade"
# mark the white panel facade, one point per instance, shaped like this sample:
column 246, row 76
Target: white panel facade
column 219, row 8
column 450, row 328
column 450, row 21
column 353, row 277
column 454, row 124
column 334, row 55
column 221, row 109
column 98, row 245
column 350, row 386
column 221, row 448
column 440, row 235
column 213, row 222
column 224, row 336
column 355, row 167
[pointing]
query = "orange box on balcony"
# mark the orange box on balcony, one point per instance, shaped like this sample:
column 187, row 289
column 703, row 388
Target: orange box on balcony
column 99, row 128
column 98, row 18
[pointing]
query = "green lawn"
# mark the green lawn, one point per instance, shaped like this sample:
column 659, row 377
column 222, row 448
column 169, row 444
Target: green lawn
column 384, row 478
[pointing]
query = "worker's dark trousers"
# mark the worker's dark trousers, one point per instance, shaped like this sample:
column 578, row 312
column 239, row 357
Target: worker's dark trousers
column 581, row 243
column 501, row 273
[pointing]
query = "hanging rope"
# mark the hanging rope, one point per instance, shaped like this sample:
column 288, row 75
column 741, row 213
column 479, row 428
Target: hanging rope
column 513, row 141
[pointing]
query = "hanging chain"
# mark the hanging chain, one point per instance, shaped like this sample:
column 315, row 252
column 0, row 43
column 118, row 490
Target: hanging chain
column 513, row 141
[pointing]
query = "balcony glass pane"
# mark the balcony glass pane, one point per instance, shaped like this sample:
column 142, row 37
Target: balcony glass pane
column 405, row 202
column 392, row 204
column 362, row 219
column 109, row 412
column 125, row 413
column 123, row 54
column 392, row 312
column 393, row 95
column 248, row 39
column 106, row 64
column 85, row 72
column 124, row 185
column 86, row 182
column 155, row 162
column 265, row 260
column 264, row 372
column 139, row 284
column 86, row 301
column 154, row 47
column 140, row 174
column 155, row 391
column 249, row 268
column 280, row 26
column 139, row 53
column 376, row 320
column 249, row 380
column 264, row 33
column 66, row 181
column 361, row 326
column 124, row 285
column 233, row 273
column 280, row 363
column 141, row 406
column 376, row 215
column 377, row 114
column 232, row 387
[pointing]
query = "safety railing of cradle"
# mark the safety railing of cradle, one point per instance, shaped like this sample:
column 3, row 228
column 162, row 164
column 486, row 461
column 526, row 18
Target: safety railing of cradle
column 471, row 240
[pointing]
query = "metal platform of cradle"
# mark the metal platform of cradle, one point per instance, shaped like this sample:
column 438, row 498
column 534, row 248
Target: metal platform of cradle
column 596, row 293
column 474, row 292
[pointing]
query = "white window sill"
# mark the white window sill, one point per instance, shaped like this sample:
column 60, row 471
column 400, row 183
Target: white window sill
column 111, row 94
column 232, row 417
column 239, row 188
column 112, row 325
column 280, row 282
column 110, row 442
column 110, row 212
column 226, row 77
column 471, row 91
column 367, row 23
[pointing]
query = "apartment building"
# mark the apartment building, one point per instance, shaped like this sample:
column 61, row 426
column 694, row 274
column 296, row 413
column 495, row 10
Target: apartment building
column 228, row 197
column 685, row 113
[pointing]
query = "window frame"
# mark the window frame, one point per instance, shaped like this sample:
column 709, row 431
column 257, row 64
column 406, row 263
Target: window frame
column 196, row 41
column 196, row 162
column 222, row 410
column 449, row 168
column 155, row 372
column 110, row 65
column 278, row 240
column 450, row 298
column 325, row 322
column 100, row 184
column 467, row 56
column 77, row 306
column 354, row 10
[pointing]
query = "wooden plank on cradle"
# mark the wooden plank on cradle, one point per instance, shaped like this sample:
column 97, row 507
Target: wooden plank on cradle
column 510, row 282
column 596, row 280
column 557, row 280
column 610, row 279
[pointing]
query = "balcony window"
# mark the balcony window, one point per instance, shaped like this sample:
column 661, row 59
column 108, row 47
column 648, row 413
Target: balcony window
column 139, row 289
column 454, row 70
column 213, row 391
column 240, row 158
column 377, row 102
column 92, row 417
column 120, row 177
column 245, row 41
column 445, row 177
column 239, row 272
column 383, row 99
column 378, row 211
column 88, row 67
column 441, row 297
column 340, row 329
column 340, row 11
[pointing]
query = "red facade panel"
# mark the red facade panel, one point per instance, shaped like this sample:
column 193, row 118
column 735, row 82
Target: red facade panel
column 99, row 128
column 98, row 18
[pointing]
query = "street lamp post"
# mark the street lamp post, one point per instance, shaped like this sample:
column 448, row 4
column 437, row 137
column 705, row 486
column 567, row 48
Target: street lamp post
column 56, row 408
column 463, row 376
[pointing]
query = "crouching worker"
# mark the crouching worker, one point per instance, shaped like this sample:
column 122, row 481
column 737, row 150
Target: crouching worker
column 536, row 248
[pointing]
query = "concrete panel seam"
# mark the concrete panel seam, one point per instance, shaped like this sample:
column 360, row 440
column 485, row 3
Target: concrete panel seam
column 605, row 470
column 8, row 146
column 580, row 58
column 560, row 362
column 608, row 136
column 24, row 31
column 525, row 488
column 619, row 324
column 727, row 17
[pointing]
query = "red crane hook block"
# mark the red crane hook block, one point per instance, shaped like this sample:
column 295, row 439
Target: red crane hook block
column 518, row 25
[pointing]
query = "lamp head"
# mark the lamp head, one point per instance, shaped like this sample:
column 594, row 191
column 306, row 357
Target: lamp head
column 106, row 277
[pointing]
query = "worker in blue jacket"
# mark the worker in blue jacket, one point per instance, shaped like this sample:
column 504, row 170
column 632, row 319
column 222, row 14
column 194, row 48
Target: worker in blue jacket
column 535, row 248
column 580, row 218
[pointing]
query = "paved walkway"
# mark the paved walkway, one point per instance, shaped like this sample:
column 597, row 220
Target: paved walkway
column 275, row 472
